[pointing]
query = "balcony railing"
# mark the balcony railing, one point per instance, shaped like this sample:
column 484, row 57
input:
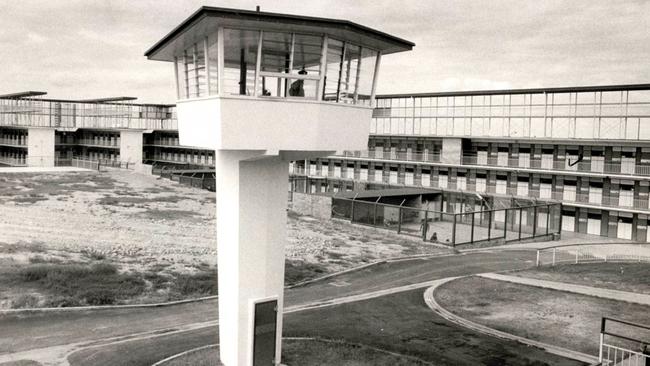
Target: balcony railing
column 559, row 164
column 624, row 202
column 63, row 114
column 389, row 155
column 14, row 141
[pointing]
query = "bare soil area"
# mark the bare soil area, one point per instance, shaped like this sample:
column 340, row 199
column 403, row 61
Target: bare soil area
column 555, row 317
column 153, row 227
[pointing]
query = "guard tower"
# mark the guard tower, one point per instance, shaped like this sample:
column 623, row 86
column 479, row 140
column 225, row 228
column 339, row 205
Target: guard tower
column 263, row 89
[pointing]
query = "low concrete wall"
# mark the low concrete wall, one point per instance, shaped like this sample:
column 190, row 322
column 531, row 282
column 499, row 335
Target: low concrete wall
column 312, row 205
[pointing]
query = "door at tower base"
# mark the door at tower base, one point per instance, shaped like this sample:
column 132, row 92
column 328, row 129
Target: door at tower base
column 264, row 333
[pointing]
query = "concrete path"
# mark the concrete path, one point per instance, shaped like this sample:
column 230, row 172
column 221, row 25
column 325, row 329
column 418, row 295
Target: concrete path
column 54, row 169
column 631, row 297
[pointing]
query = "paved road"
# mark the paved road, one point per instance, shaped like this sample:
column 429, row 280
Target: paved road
column 140, row 336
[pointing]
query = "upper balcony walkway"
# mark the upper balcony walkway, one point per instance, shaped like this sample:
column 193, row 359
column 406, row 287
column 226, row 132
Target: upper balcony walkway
column 65, row 114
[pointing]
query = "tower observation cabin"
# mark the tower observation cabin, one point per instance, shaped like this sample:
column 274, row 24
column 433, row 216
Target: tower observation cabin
column 263, row 89
column 257, row 80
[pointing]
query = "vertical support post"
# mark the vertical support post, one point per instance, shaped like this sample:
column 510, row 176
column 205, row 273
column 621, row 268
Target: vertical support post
column 602, row 340
column 471, row 238
column 576, row 257
column 505, row 225
column 537, row 260
column 374, row 80
column 489, row 225
column 399, row 216
column 548, row 218
column 356, row 81
column 220, row 60
column 195, row 60
column 453, row 233
column 554, row 250
column 559, row 229
column 520, row 214
column 258, row 65
column 206, row 64
column 178, row 90
column 425, row 226
column 185, row 75
column 534, row 221
column 323, row 70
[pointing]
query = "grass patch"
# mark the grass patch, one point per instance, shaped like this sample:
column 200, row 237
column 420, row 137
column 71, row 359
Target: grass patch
column 156, row 214
column 556, row 317
column 402, row 323
column 129, row 201
column 632, row 277
column 310, row 353
column 77, row 284
column 297, row 271
column 29, row 199
column 194, row 285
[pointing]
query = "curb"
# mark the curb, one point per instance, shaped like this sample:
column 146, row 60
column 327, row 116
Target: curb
column 311, row 339
column 429, row 299
column 185, row 353
column 105, row 307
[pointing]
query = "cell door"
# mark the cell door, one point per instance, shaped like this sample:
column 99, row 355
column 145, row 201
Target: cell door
column 568, row 223
column 264, row 333
column 624, row 230
column 593, row 226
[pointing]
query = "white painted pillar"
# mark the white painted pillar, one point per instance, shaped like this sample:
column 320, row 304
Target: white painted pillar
column 452, row 151
column 131, row 147
column 251, row 233
column 40, row 147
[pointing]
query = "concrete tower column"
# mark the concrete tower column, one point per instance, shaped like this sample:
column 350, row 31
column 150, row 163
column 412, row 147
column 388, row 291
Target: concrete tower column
column 40, row 147
column 251, row 232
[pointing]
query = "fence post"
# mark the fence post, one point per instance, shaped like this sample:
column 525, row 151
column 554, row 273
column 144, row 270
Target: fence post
column 553, row 256
column 520, row 214
column 537, row 260
column 602, row 340
column 399, row 217
column 576, row 257
column 489, row 225
column 535, row 212
column 453, row 233
column 352, row 208
column 505, row 225
column 471, row 238
column 425, row 226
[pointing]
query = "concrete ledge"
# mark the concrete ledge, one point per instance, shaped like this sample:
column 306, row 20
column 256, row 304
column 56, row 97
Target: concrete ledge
column 429, row 298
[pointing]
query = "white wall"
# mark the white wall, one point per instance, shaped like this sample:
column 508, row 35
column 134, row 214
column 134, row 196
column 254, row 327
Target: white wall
column 251, row 232
column 131, row 147
column 451, row 151
column 272, row 124
column 40, row 147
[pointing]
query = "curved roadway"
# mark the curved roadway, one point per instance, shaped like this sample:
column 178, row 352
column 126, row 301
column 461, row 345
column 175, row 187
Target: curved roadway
column 142, row 336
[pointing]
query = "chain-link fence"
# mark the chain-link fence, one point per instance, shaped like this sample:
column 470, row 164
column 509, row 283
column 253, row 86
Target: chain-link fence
column 454, row 229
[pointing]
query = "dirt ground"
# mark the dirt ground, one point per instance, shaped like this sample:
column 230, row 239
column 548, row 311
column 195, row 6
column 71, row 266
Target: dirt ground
column 555, row 317
column 145, row 223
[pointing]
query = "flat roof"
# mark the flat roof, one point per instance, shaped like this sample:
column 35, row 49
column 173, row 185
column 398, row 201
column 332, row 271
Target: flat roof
column 568, row 89
column 389, row 43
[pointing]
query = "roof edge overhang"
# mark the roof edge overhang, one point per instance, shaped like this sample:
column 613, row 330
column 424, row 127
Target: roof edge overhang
column 397, row 44
column 569, row 89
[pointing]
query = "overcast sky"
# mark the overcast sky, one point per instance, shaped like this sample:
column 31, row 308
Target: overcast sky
column 94, row 48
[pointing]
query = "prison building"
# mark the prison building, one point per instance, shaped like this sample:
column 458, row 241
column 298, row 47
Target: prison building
column 36, row 131
column 587, row 147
